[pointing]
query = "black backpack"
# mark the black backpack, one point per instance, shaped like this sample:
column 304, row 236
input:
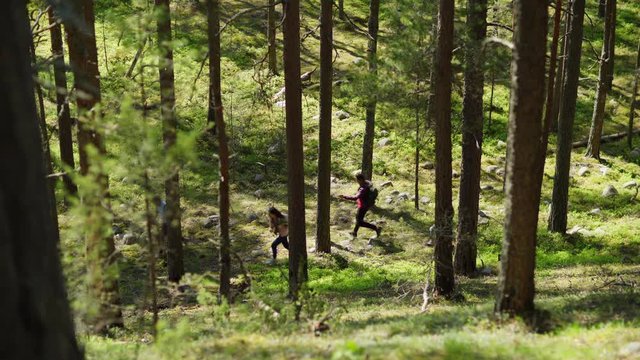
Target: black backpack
column 372, row 195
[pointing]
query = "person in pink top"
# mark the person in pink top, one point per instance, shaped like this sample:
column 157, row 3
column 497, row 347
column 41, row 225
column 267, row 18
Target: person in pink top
column 363, row 200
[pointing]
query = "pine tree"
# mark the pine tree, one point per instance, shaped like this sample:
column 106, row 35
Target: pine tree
column 516, row 288
column 323, row 230
column 444, row 283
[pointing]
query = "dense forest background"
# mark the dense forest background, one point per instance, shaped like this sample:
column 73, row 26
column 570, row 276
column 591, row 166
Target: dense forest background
column 369, row 297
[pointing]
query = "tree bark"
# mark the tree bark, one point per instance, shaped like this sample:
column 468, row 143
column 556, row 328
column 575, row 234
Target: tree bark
column 45, row 145
column 35, row 311
column 341, row 10
column 213, row 11
column 634, row 94
column 604, row 81
column 560, row 198
column 62, row 103
column 323, row 230
column 557, row 89
column 271, row 38
column 472, row 123
column 83, row 55
column 295, row 153
column 175, row 264
column 516, row 288
column 369, row 131
column 548, row 108
column 444, row 282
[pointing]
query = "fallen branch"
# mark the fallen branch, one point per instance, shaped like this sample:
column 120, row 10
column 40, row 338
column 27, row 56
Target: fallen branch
column 425, row 292
column 605, row 139
column 245, row 11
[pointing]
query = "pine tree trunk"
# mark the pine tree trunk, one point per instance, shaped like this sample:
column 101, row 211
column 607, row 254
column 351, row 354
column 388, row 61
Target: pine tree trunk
column 271, row 38
column 560, row 198
column 46, row 148
column 341, row 10
column 557, row 90
column 604, row 81
column 369, row 131
column 548, row 108
column 416, row 164
column 472, row 123
column 175, row 264
column 444, row 282
column 295, row 154
column 83, row 55
column 64, row 115
column 323, row 230
column 516, row 288
column 213, row 12
column 35, row 313
column 632, row 106
column 612, row 46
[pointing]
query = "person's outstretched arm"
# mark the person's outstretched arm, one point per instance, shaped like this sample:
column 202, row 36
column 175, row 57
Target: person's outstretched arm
column 355, row 197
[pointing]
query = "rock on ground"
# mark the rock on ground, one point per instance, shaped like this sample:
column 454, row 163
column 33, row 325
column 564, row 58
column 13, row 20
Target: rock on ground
column 609, row 191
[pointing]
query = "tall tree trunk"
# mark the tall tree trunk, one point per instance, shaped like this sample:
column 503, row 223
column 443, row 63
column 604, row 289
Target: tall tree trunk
column 557, row 90
column 323, row 233
column 604, row 80
column 213, row 11
column 472, row 122
column 369, row 131
column 83, row 55
column 602, row 6
column 516, row 288
column 175, row 264
column 548, row 108
column 416, row 164
column 444, row 283
column 560, row 198
column 46, row 148
column 634, row 94
column 64, row 115
column 271, row 38
column 341, row 10
column 295, row 153
column 35, row 312
column 612, row 46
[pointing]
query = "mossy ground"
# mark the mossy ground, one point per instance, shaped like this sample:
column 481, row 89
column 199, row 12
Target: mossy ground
column 586, row 283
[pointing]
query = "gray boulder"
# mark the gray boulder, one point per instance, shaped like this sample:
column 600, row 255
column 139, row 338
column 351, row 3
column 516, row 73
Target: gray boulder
column 609, row 191
column 384, row 142
column 258, row 193
column 428, row 165
column 491, row 169
column 583, row 171
column 258, row 177
column 211, row 221
column 403, row 196
column 501, row 144
column 425, row 200
column 342, row 115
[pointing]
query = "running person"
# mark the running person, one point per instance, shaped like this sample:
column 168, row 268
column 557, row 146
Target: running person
column 278, row 223
column 362, row 199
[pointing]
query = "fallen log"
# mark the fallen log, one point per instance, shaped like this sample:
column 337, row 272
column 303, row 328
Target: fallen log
column 605, row 139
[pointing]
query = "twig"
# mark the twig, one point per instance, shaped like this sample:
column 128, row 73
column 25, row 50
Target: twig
column 498, row 25
column 245, row 11
column 355, row 27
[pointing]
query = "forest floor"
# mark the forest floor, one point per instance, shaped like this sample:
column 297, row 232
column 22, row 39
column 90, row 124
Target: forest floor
column 368, row 293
